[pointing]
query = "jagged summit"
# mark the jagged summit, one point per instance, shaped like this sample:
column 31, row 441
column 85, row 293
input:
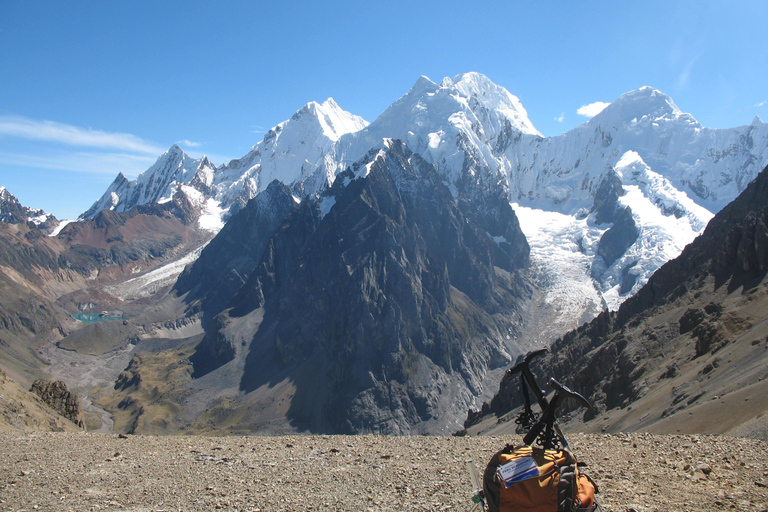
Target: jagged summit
column 380, row 270
column 13, row 212
column 10, row 208
column 334, row 122
column 175, row 149
column 482, row 144
column 291, row 152
column 365, row 299
column 155, row 185
column 479, row 86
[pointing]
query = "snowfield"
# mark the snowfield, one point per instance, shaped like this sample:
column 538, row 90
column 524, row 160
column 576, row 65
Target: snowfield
column 563, row 251
column 149, row 283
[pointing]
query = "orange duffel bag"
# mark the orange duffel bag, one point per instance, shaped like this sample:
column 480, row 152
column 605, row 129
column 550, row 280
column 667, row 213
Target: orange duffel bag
column 533, row 479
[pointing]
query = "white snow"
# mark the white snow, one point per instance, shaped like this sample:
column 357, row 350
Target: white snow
column 435, row 138
column 563, row 249
column 365, row 170
column 326, row 203
column 293, row 151
column 61, row 226
column 149, row 283
column 39, row 219
column 661, row 193
column 212, row 217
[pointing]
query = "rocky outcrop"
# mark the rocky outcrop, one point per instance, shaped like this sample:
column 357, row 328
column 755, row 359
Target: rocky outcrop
column 619, row 237
column 60, row 399
column 131, row 376
column 607, row 195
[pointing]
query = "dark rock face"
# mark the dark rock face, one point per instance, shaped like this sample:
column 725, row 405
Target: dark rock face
column 61, row 400
column 227, row 262
column 382, row 302
column 224, row 267
column 214, row 350
column 624, row 231
column 11, row 210
column 619, row 237
column 606, row 204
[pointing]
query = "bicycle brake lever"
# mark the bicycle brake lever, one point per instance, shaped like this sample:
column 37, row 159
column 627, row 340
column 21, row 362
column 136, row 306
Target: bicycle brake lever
column 568, row 392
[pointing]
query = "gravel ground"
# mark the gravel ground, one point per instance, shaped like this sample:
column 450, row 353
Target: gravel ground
column 82, row 471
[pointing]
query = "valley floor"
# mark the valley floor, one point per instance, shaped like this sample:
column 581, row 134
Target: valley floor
column 81, row 471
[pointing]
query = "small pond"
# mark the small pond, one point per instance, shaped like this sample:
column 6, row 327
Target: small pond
column 92, row 318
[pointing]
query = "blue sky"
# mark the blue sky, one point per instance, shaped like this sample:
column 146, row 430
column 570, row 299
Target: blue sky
column 90, row 89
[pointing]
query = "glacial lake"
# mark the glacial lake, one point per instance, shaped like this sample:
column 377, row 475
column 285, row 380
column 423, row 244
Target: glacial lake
column 92, row 318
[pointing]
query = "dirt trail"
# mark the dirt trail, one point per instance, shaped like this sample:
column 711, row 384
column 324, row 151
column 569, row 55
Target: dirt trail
column 82, row 471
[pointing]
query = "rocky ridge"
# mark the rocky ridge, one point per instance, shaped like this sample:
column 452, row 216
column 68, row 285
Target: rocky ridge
column 653, row 159
column 13, row 212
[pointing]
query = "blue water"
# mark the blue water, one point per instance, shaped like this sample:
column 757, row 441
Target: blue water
column 92, row 318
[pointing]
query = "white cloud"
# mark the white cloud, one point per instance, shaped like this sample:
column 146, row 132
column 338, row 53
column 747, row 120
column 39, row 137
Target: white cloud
column 51, row 131
column 81, row 161
column 560, row 118
column 761, row 104
column 592, row 109
column 685, row 75
column 189, row 144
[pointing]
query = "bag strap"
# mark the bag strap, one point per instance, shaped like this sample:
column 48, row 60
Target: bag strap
column 566, row 488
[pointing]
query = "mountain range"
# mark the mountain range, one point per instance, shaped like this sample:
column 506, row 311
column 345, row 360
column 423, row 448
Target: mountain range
column 346, row 276
column 674, row 174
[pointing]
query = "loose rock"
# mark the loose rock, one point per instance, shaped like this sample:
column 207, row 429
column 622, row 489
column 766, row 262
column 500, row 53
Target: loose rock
column 300, row 473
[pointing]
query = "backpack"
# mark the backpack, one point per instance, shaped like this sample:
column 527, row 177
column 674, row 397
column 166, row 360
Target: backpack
column 533, row 479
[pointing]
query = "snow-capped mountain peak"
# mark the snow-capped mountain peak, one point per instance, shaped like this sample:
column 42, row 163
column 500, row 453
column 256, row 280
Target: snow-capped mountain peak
column 13, row 212
column 671, row 174
column 332, row 119
column 476, row 85
column 157, row 184
column 292, row 152
column 471, row 93
column 645, row 104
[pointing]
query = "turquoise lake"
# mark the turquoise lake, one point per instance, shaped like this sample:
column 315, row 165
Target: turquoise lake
column 92, row 318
